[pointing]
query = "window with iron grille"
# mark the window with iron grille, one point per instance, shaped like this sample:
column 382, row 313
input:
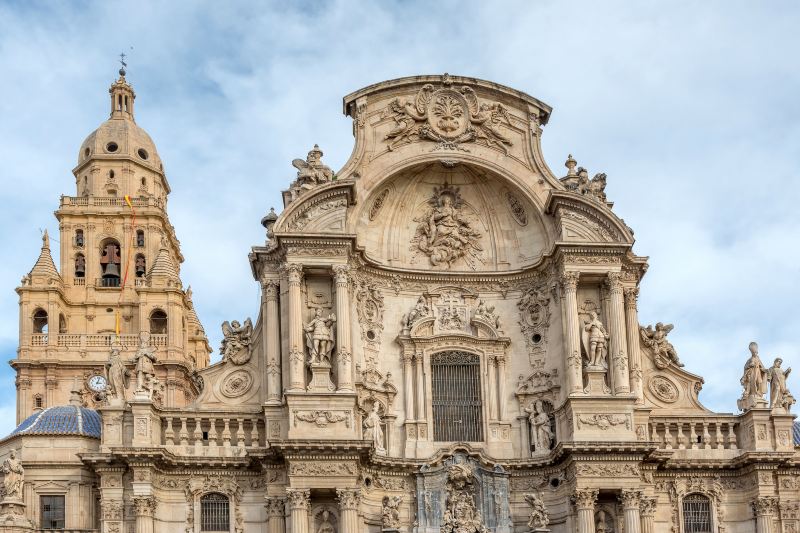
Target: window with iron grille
column 214, row 512
column 456, row 397
column 696, row 514
column 52, row 512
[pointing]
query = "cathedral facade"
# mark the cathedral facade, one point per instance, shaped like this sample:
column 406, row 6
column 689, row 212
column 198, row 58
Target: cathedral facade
column 447, row 341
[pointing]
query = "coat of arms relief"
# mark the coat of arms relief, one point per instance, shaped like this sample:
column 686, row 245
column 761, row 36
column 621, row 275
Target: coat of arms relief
column 450, row 117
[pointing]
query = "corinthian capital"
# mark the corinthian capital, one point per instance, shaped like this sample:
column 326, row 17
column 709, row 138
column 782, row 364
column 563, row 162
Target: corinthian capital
column 341, row 273
column 348, row 498
column 294, row 271
column 585, row 498
column 569, row 280
column 614, row 281
column 631, row 296
column 630, row 498
column 144, row 505
column 765, row 505
column 275, row 505
column 298, row 498
column 271, row 287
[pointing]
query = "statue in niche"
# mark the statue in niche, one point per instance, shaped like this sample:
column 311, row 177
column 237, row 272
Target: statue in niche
column 656, row 340
column 601, row 523
column 486, row 313
column 538, row 519
column 779, row 395
column 320, row 337
column 373, row 430
column 312, row 172
column 595, row 341
column 14, row 477
column 541, row 432
column 390, row 513
column 325, row 525
column 236, row 342
column 144, row 359
column 754, row 381
column 117, row 375
column 444, row 234
column 420, row 310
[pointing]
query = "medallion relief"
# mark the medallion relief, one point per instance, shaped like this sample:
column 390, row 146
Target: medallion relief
column 663, row 389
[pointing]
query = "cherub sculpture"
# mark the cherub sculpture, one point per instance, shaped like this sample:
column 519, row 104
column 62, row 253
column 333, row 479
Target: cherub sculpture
column 236, row 342
column 656, row 340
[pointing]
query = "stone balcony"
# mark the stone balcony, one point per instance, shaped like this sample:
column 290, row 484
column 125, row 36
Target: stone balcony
column 109, row 201
column 93, row 341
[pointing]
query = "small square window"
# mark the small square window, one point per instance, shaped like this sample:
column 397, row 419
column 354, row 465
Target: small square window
column 52, row 512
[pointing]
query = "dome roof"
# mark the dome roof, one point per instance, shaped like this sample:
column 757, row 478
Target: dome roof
column 120, row 137
column 62, row 420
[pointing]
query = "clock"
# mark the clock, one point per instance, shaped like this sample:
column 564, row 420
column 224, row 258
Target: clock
column 98, row 383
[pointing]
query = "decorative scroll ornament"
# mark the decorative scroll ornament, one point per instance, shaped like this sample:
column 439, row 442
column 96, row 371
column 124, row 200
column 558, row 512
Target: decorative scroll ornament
column 321, row 418
column 444, row 233
column 604, row 421
column 534, row 319
column 235, row 345
column 449, row 117
column 656, row 340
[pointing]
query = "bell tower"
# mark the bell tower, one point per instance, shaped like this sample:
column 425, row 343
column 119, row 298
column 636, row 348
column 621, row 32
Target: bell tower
column 118, row 274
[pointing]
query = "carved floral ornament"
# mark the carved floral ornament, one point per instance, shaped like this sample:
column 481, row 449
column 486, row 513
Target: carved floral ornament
column 663, row 389
column 450, row 117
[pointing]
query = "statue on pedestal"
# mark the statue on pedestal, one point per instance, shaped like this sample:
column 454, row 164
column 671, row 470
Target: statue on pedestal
column 320, row 337
column 373, row 430
column 117, row 375
column 595, row 341
column 779, row 395
column 14, row 477
column 754, row 381
column 144, row 358
column 541, row 433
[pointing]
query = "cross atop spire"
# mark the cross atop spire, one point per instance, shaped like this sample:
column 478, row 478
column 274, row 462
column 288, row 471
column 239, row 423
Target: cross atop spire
column 123, row 63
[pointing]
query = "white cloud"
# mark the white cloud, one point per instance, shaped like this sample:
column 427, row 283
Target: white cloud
column 691, row 111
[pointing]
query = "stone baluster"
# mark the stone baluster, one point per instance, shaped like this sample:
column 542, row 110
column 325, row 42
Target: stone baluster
column 719, row 439
column 618, row 345
column 631, row 295
column 764, row 508
column 226, row 432
column 344, row 356
column 706, row 437
column 169, row 433
column 212, row 432
column 569, row 286
column 693, row 434
column 584, row 504
column 408, row 382
column 299, row 504
column 631, row 500
column 272, row 341
column 667, row 436
column 501, row 386
column 419, row 363
column 681, row 438
column 654, row 431
column 144, row 507
column 276, row 514
column 348, row 509
column 731, row 437
column 197, row 436
column 255, row 438
column 492, row 386
column 647, row 510
column 183, row 433
column 297, row 380
column 240, row 432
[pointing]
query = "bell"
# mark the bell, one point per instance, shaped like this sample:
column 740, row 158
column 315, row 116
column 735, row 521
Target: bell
column 112, row 271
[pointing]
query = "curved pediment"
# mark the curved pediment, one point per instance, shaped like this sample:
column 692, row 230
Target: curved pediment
column 582, row 219
column 453, row 217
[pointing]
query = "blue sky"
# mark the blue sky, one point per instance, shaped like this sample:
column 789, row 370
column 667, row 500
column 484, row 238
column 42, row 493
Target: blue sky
column 690, row 108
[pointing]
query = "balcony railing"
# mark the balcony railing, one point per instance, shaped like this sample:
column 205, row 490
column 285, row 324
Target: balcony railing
column 39, row 339
column 108, row 201
column 101, row 340
column 107, row 283
column 694, row 432
column 205, row 435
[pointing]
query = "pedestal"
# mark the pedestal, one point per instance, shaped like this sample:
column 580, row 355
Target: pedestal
column 12, row 516
column 596, row 381
column 321, row 378
column 323, row 416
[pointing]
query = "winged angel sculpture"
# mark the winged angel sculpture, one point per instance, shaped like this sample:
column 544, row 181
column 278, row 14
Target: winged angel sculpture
column 656, row 340
column 236, row 342
column 449, row 117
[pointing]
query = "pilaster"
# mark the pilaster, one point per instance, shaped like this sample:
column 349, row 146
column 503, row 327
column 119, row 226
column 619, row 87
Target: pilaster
column 569, row 287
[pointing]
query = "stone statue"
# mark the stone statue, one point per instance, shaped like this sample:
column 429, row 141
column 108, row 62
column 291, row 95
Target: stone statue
column 325, row 525
column 117, row 375
column 144, row 359
column 373, row 430
column 390, row 513
column 656, row 340
column 312, row 172
column 538, row 519
column 541, row 433
column 754, row 381
column 236, row 342
column 601, row 525
column 461, row 515
column 320, row 337
column 595, row 341
column 14, row 477
column 779, row 395
column 486, row 313
column 420, row 310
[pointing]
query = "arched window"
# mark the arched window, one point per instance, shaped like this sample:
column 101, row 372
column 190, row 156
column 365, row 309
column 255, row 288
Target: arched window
column 110, row 263
column 38, row 403
column 141, row 266
column 40, row 321
column 696, row 514
column 158, row 322
column 214, row 512
column 80, row 266
column 456, row 397
column 139, row 238
column 79, row 238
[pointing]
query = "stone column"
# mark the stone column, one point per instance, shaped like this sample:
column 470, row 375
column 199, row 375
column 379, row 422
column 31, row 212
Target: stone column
column 408, row 389
column 344, row 355
column 618, row 349
column 631, row 499
column 501, row 387
column 569, row 286
column 647, row 511
column 419, row 362
column 145, row 508
column 491, row 387
column 299, row 504
column 584, row 503
column 348, row 510
column 764, row 508
column 297, row 379
column 276, row 514
column 272, row 341
column 632, row 332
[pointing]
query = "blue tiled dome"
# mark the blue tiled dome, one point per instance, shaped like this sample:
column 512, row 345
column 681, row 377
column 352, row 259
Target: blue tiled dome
column 62, row 420
column 796, row 432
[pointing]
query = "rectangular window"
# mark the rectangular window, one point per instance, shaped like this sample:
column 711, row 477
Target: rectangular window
column 696, row 514
column 52, row 512
column 456, row 397
column 214, row 512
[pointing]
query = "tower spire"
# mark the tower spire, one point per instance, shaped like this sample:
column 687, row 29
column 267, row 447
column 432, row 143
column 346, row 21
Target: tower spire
column 122, row 94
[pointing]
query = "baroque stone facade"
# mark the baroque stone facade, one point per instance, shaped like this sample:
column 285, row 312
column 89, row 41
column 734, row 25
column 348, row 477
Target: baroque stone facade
column 447, row 341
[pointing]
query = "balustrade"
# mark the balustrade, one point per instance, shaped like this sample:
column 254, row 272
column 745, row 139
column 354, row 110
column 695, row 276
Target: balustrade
column 106, row 201
column 102, row 340
column 212, row 434
column 39, row 339
column 693, row 433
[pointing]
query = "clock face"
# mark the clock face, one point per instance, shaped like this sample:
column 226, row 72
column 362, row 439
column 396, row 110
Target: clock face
column 97, row 383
